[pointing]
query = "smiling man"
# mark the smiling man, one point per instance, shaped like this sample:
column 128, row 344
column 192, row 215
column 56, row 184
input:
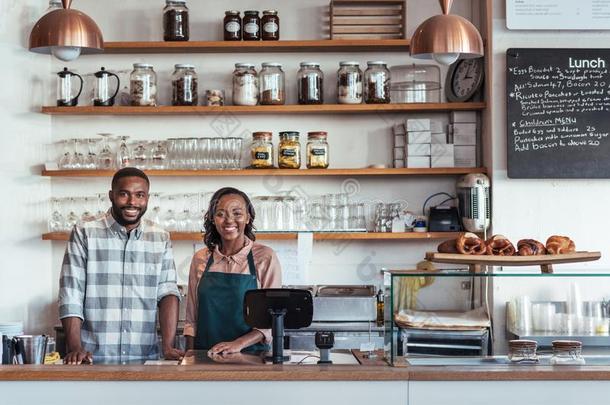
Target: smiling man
column 117, row 271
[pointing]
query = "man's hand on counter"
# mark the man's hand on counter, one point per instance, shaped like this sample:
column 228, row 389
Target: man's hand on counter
column 170, row 353
column 78, row 357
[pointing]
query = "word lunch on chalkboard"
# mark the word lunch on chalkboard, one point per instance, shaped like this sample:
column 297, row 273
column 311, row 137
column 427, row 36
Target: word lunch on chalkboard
column 558, row 113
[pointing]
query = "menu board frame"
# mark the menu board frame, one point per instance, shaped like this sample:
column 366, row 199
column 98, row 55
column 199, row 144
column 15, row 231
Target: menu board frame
column 558, row 113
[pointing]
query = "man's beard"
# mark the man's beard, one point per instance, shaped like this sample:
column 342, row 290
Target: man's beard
column 118, row 215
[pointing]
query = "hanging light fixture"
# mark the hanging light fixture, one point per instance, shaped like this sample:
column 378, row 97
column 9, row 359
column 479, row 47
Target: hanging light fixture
column 446, row 38
column 66, row 33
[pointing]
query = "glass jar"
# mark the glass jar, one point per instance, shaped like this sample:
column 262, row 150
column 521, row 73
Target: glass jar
column 317, row 150
column 251, row 26
column 184, row 85
column 261, row 150
column 310, row 83
column 289, row 153
column 377, row 83
column 349, row 83
column 175, row 21
column 232, row 26
column 272, row 81
column 271, row 25
column 143, row 85
column 522, row 351
column 567, row 353
column 245, row 84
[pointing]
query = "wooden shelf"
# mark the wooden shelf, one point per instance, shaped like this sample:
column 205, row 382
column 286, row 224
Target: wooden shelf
column 338, row 45
column 276, row 172
column 320, row 236
column 265, row 109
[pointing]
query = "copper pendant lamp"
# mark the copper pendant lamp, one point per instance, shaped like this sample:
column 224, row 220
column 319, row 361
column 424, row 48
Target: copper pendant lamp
column 66, row 33
column 446, row 38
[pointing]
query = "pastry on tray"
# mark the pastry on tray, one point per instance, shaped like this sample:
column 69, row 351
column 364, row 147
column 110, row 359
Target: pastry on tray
column 469, row 243
column 448, row 246
column 530, row 247
column 556, row 245
column 499, row 245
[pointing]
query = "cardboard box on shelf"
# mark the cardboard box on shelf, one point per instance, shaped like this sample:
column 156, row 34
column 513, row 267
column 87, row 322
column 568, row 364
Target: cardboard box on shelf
column 463, row 116
column 418, row 162
column 439, row 139
column 465, row 156
column 418, row 124
column 440, row 150
column 463, row 129
column 419, row 137
column 418, row 149
column 442, row 161
column 437, row 126
column 465, row 139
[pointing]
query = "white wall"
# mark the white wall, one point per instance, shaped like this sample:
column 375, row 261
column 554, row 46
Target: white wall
column 26, row 287
column 540, row 208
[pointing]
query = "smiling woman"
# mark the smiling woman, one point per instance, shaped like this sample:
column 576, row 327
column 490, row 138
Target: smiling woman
column 231, row 264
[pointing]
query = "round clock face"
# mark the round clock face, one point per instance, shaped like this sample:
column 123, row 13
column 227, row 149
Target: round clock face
column 466, row 78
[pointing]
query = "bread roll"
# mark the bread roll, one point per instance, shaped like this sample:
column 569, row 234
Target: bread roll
column 499, row 245
column 530, row 247
column 470, row 244
column 556, row 245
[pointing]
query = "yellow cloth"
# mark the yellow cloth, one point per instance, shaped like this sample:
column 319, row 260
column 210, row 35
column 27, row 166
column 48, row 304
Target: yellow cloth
column 408, row 287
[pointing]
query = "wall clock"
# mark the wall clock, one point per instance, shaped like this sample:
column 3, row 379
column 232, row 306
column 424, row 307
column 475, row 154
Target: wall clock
column 464, row 79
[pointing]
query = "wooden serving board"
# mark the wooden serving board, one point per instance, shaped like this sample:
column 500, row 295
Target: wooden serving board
column 544, row 261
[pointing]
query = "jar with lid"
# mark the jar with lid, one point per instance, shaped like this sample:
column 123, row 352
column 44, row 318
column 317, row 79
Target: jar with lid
column 184, row 85
column 377, row 83
column 289, row 153
column 245, row 84
column 261, row 150
column 251, row 26
column 232, row 26
column 522, row 351
column 143, row 85
column 272, row 80
column 175, row 21
column 567, row 352
column 271, row 25
column 310, row 83
column 317, row 150
column 349, row 83
column 416, row 84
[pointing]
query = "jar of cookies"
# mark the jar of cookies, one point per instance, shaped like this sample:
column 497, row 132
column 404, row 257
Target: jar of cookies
column 317, row 150
column 261, row 150
column 289, row 154
column 143, row 85
column 184, row 85
column 349, row 83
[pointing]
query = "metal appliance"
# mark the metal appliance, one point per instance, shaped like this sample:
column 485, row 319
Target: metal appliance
column 474, row 202
column 349, row 311
column 444, row 219
column 444, row 342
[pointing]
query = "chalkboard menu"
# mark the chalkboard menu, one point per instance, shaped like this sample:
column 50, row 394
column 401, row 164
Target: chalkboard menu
column 558, row 106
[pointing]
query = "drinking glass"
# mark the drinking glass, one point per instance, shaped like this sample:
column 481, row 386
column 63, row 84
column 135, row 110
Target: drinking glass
column 76, row 160
column 90, row 161
column 66, row 158
column 57, row 220
column 106, row 159
column 72, row 218
column 140, row 155
column 102, row 204
column 159, row 156
column 124, row 156
column 203, row 147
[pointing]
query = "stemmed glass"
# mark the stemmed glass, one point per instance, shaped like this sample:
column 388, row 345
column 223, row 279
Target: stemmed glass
column 72, row 218
column 76, row 161
column 105, row 160
column 56, row 222
column 159, row 156
column 66, row 157
column 124, row 154
column 140, row 156
column 102, row 205
column 90, row 161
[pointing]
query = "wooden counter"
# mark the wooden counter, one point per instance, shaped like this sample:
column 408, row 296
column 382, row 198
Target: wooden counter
column 300, row 373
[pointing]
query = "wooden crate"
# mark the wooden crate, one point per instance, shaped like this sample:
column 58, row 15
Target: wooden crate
column 372, row 19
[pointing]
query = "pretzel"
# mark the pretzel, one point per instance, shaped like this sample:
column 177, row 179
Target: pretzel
column 470, row 244
column 556, row 245
column 530, row 247
column 499, row 245
column 447, row 246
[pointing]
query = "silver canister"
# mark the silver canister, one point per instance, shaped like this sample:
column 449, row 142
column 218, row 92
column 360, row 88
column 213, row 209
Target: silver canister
column 29, row 349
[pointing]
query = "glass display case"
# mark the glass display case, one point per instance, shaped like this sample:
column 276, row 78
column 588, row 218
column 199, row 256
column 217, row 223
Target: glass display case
column 460, row 317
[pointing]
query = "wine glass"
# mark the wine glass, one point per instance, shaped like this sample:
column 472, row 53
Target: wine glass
column 90, row 161
column 76, row 158
column 57, row 220
column 124, row 156
column 66, row 158
column 105, row 159
column 140, row 156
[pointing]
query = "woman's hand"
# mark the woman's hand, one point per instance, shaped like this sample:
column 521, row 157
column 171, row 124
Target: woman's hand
column 226, row 347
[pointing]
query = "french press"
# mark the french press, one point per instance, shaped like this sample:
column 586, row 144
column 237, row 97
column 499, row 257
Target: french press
column 102, row 97
column 65, row 89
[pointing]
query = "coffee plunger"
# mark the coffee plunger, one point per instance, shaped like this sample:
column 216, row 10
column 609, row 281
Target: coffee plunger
column 66, row 90
column 102, row 97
